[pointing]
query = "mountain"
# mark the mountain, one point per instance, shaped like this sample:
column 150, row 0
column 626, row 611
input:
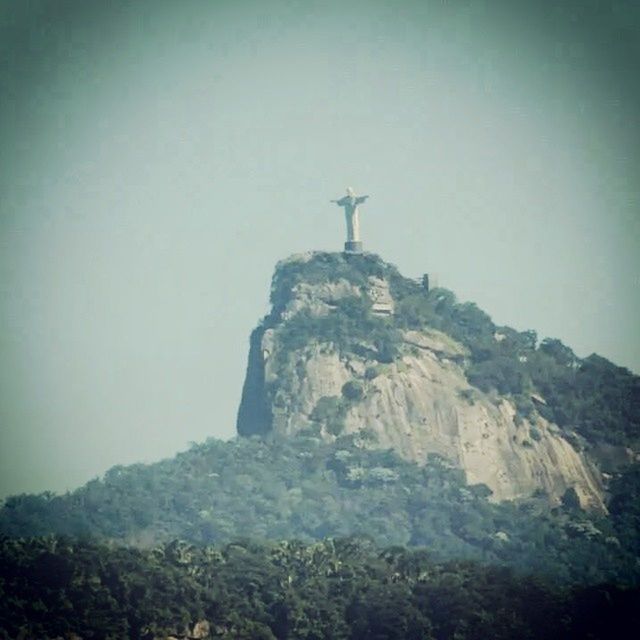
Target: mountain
column 374, row 406
column 404, row 468
column 352, row 347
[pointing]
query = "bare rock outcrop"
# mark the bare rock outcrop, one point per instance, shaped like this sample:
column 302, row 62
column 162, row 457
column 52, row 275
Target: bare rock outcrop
column 418, row 403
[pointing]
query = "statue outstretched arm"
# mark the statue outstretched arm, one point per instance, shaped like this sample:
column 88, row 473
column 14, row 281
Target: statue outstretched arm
column 361, row 199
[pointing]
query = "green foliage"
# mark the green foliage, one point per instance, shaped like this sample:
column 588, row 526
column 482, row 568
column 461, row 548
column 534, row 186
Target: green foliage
column 302, row 488
column 501, row 373
column 467, row 395
column 570, row 499
column 353, row 390
column 372, row 372
column 439, row 309
column 338, row 589
column 624, row 508
column 351, row 328
column 534, row 434
column 600, row 400
column 305, row 489
column 593, row 396
column 322, row 268
column 330, row 411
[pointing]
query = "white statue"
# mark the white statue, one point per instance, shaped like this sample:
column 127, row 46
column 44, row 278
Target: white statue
column 350, row 203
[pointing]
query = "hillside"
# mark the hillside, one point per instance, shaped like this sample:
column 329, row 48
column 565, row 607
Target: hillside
column 404, row 468
column 374, row 406
column 300, row 487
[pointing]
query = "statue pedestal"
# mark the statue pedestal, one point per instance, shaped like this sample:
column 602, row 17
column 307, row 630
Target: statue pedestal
column 353, row 247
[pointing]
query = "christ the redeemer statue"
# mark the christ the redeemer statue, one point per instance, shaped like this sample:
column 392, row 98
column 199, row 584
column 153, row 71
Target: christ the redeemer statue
column 350, row 203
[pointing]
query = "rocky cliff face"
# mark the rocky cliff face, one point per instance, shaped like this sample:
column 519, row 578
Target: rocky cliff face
column 333, row 361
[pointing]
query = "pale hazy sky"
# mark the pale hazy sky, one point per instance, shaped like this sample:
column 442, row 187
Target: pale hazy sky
column 158, row 158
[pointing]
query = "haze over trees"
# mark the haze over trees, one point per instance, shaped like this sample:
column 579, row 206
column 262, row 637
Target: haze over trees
column 318, row 536
column 336, row 589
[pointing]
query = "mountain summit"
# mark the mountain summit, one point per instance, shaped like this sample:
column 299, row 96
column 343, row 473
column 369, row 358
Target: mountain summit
column 373, row 405
column 353, row 348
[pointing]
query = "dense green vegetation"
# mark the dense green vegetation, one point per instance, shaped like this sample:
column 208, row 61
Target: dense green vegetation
column 305, row 489
column 336, row 589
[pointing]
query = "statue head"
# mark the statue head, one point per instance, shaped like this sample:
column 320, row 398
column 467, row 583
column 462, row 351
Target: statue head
column 350, row 192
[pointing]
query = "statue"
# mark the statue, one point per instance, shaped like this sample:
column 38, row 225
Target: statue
column 350, row 203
